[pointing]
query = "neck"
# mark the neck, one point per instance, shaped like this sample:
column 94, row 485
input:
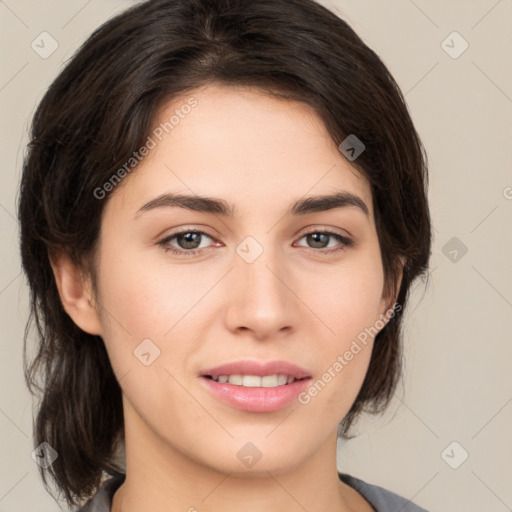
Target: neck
column 160, row 477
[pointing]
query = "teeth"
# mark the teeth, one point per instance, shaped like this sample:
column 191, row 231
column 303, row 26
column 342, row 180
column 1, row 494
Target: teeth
column 255, row 381
column 269, row 381
column 238, row 380
column 251, row 381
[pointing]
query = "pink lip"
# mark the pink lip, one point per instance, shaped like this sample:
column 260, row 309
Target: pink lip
column 256, row 399
column 260, row 369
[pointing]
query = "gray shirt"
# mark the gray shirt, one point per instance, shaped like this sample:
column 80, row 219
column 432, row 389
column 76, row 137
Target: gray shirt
column 381, row 499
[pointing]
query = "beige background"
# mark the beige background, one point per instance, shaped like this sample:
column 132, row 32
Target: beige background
column 458, row 385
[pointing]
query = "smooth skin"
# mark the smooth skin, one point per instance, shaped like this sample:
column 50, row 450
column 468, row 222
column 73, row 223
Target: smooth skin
column 296, row 302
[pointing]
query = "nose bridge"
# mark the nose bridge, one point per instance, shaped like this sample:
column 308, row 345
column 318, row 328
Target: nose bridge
column 260, row 300
column 257, row 265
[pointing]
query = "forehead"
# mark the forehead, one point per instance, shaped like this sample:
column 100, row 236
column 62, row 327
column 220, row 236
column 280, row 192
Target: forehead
column 243, row 145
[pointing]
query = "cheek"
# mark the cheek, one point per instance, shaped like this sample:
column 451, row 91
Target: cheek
column 147, row 300
column 141, row 314
column 349, row 310
column 348, row 300
column 141, row 301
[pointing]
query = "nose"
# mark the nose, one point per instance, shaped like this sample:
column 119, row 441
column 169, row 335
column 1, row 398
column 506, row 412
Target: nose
column 261, row 299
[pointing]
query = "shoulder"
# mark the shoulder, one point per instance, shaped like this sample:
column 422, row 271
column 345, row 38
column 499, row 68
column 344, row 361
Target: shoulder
column 102, row 500
column 381, row 499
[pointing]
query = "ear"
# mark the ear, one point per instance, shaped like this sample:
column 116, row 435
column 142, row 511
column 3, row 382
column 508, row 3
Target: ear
column 75, row 293
column 388, row 302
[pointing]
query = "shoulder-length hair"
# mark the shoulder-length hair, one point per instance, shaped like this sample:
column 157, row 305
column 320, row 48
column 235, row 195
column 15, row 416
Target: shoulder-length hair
column 99, row 110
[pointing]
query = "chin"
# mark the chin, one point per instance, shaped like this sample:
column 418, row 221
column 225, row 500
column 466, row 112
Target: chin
column 247, row 459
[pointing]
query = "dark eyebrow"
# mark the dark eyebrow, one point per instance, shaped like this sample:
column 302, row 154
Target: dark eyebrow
column 220, row 207
column 195, row 203
column 328, row 202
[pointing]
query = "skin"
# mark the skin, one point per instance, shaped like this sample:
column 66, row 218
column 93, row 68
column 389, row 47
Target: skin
column 260, row 154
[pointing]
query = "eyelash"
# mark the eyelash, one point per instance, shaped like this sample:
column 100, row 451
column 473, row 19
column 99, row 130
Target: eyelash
column 345, row 243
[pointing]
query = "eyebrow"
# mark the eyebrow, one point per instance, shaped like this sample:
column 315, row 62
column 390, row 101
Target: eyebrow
column 216, row 206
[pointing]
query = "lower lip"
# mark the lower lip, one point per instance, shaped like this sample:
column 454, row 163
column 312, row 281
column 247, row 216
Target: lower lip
column 256, row 399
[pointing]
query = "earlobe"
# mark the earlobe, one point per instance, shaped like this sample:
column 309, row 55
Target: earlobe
column 75, row 293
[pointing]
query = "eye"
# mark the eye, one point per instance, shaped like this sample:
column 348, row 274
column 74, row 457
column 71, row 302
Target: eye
column 189, row 242
column 320, row 241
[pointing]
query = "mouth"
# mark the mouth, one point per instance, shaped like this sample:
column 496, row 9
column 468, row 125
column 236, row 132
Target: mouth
column 256, row 387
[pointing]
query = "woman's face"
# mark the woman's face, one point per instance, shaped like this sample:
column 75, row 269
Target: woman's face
column 257, row 285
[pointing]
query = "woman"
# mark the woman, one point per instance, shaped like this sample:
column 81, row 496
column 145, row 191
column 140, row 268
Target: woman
column 222, row 210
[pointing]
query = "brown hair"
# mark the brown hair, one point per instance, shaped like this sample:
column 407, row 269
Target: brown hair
column 99, row 110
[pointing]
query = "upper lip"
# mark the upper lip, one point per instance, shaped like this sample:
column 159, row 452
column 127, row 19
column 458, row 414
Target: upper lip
column 257, row 368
